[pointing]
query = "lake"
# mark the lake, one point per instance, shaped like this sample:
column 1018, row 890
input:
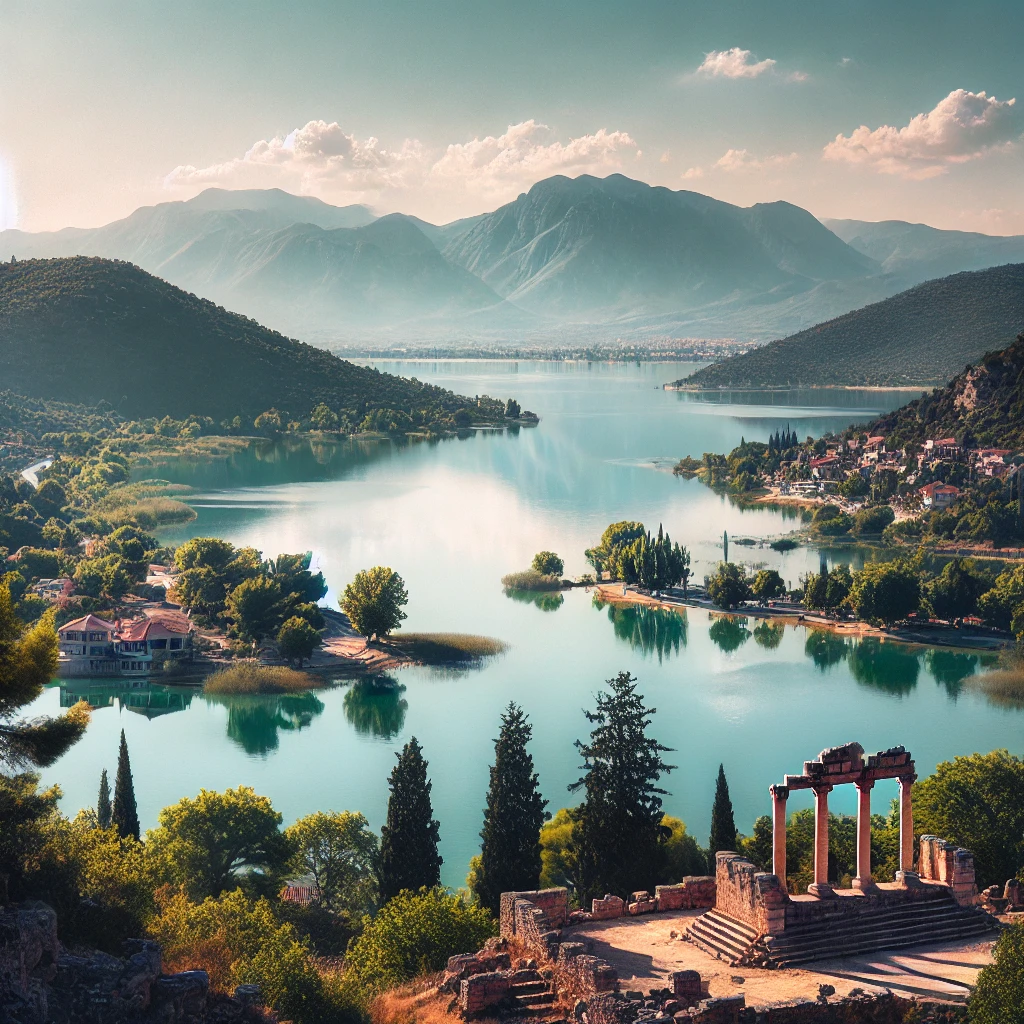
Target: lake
column 454, row 516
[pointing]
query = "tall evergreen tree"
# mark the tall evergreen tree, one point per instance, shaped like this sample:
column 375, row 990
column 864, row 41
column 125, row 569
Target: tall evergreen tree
column 618, row 840
column 103, row 809
column 125, row 815
column 408, row 842
column 510, row 855
column 723, row 824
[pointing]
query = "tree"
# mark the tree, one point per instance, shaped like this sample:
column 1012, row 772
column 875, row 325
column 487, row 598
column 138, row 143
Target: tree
column 998, row 605
column 408, row 842
column 323, row 418
column 886, row 591
column 723, row 824
column 297, row 639
column 338, row 851
column 766, row 585
column 547, row 563
column 955, row 592
column 374, row 600
column 28, row 661
column 870, row 521
column 999, row 995
column 977, row 801
column 104, row 812
column 682, row 854
column 415, row 933
column 125, row 815
column 729, row 586
column 510, row 854
column 208, row 844
column 254, row 606
column 606, row 556
column 837, row 586
column 619, row 839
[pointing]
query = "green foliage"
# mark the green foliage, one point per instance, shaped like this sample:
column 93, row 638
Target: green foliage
column 104, row 811
column 374, row 600
column 547, row 563
column 297, row 639
column 618, row 837
column 606, row 556
column 723, row 824
column 408, row 841
column 28, row 660
column 628, row 552
column 871, row 521
column 415, row 933
column 530, row 580
column 729, row 634
column 828, row 591
column 886, row 592
column 249, row 677
column 557, row 850
column 254, row 607
column 766, row 585
column 207, row 845
column 769, row 635
column 956, row 591
column 338, row 852
column 999, row 604
column 831, row 521
column 682, row 854
column 729, row 586
column 510, row 859
column 124, row 815
column 999, row 995
column 977, row 801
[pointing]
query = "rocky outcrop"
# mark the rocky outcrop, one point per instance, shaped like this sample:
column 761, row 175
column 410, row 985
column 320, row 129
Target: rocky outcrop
column 41, row 983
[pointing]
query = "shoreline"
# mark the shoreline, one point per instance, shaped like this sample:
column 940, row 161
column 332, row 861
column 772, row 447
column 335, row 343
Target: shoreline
column 612, row 594
column 723, row 389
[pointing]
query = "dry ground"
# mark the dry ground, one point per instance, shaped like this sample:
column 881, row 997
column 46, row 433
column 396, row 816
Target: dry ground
column 644, row 953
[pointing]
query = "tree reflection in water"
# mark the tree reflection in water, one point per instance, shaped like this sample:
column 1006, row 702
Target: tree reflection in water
column 545, row 600
column 729, row 634
column 769, row 635
column 375, row 706
column 884, row 666
column 254, row 720
column 647, row 628
column 951, row 668
column 825, row 648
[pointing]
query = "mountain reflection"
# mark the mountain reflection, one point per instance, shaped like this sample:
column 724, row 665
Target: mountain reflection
column 254, row 720
column 729, row 634
column 545, row 600
column 375, row 706
column 646, row 628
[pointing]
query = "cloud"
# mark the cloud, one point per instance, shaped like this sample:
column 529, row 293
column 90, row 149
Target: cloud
column 744, row 160
column 963, row 126
column 692, row 172
column 734, row 63
column 322, row 159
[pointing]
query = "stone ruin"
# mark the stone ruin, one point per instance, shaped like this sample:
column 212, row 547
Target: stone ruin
column 755, row 921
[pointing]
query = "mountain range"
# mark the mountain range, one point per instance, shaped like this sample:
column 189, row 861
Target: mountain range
column 600, row 258
column 922, row 336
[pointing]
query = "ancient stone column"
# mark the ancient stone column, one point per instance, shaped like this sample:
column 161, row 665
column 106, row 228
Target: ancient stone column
column 906, row 825
column 820, row 887
column 863, row 880
column 780, row 794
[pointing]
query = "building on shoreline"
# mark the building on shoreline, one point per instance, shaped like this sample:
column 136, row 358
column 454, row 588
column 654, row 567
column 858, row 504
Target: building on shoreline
column 91, row 646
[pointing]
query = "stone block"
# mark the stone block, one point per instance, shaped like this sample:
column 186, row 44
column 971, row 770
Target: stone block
column 482, row 991
column 608, row 908
column 1013, row 894
column 686, row 987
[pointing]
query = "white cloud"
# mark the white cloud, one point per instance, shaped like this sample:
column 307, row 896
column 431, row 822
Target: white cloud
column 744, row 160
column 734, row 63
column 324, row 160
column 692, row 172
column 963, row 126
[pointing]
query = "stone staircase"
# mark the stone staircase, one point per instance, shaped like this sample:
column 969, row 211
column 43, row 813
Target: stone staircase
column 933, row 917
column 535, row 1000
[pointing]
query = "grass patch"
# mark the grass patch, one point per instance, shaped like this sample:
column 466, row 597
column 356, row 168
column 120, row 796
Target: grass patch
column 784, row 544
column 530, row 579
column 1003, row 686
column 445, row 648
column 150, row 503
column 251, row 678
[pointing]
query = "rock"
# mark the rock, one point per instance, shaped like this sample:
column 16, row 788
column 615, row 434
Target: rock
column 737, row 979
column 824, row 991
column 579, row 1011
column 249, row 995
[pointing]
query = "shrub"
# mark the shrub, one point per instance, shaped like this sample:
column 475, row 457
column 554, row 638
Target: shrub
column 999, row 997
column 530, row 580
column 547, row 563
column 248, row 677
column 873, row 520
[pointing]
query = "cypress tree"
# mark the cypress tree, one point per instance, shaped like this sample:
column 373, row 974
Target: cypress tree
column 510, row 855
column 619, row 840
column 125, row 815
column 723, row 825
column 103, row 810
column 408, row 842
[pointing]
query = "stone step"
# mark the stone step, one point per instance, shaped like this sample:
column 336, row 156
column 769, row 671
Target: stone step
column 720, row 935
column 535, row 999
column 525, row 988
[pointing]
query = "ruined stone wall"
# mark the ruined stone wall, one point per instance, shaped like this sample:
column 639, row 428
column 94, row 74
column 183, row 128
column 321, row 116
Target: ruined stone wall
column 552, row 903
column 951, row 865
column 482, row 991
column 695, row 892
column 735, row 892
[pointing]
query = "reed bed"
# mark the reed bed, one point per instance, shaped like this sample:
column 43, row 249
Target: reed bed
column 249, row 677
column 445, row 648
column 530, row 579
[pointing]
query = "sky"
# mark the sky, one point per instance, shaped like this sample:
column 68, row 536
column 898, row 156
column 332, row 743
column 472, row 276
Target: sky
column 850, row 108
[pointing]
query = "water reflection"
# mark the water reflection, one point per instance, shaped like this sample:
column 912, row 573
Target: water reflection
column 138, row 695
column 951, row 668
column 545, row 600
column 646, row 628
column 884, row 666
column 728, row 633
column 375, row 706
column 769, row 635
column 254, row 720
column 825, row 648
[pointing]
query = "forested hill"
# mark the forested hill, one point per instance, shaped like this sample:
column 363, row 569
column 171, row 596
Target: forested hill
column 86, row 330
column 983, row 406
column 922, row 336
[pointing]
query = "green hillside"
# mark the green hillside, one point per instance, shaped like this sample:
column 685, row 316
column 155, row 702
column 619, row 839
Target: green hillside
column 922, row 336
column 88, row 330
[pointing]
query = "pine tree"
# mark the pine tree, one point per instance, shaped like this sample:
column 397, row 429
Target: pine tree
column 723, row 825
column 103, row 810
column 408, row 842
column 510, row 855
column 618, row 841
column 125, row 815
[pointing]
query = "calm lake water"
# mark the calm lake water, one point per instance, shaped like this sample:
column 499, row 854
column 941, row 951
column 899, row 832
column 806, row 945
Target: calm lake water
column 452, row 518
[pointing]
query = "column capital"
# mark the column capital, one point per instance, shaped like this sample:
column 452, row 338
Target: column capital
column 907, row 780
column 822, row 789
column 779, row 792
column 866, row 784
